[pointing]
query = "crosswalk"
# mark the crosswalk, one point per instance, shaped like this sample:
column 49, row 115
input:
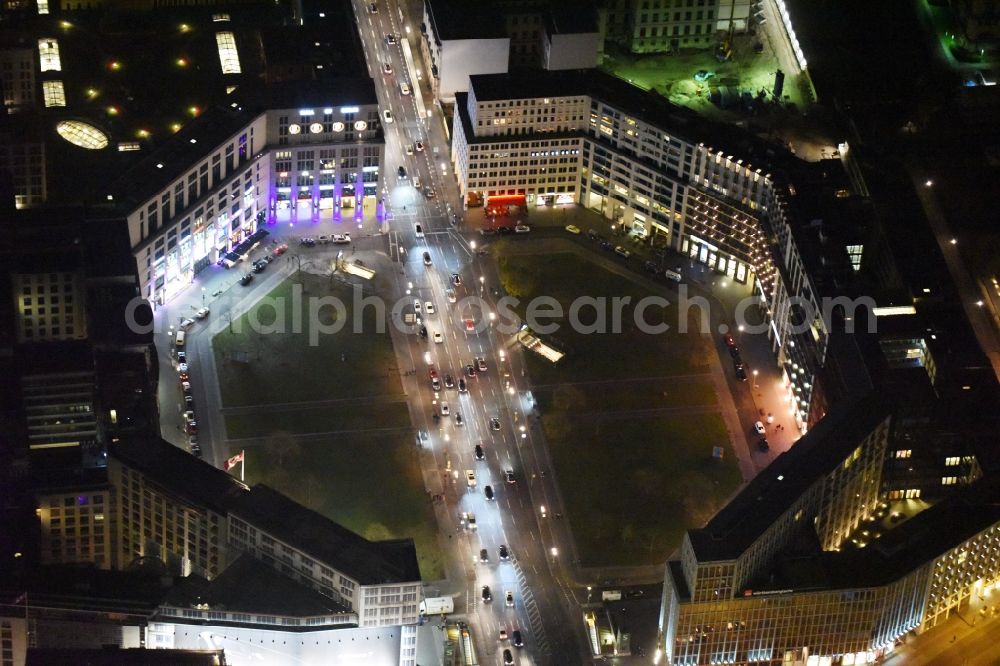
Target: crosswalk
column 534, row 615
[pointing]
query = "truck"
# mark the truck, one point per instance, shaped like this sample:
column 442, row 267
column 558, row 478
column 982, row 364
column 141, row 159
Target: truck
column 437, row 606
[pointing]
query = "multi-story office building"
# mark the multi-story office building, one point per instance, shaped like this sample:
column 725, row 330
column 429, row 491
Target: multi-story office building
column 794, row 569
column 18, row 72
column 198, row 519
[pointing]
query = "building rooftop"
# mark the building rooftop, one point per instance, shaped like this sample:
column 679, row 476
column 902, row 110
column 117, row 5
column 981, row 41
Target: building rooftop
column 271, row 593
column 371, row 562
column 748, row 515
column 571, row 20
column 115, row 656
column 649, row 106
column 461, row 19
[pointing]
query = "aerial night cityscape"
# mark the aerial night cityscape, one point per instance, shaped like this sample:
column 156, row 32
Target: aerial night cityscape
column 499, row 332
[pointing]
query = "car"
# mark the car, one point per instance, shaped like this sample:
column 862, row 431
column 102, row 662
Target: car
column 483, row 555
column 522, row 229
column 504, row 231
column 703, row 75
column 373, row 8
column 573, row 229
column 456, row 279
column 445, row 409
column 504, row 553
column 508, row 658
column 734, row 351
column 470, row 478
column 387, row 69
column 189, row 415
column 468, row 519
column 185, row 385
column 429, row 193
column 763, row 445
column 470, row 325
column 268, row 258
column 281, row 249
column 390, row 39
column 462, row 388
column 387, row 116
column 401, row 171
column 184, row 377
column 622, row 252
column 607, row 245
column 246, row 279
column 487, row 595
column 418, row 146
column 503, row 635
column 480, row 454
column 516, row 638
column 417, row 306
column 427, row 259
column 341, row 239
column 508, row 476
column 436, row 384
column 189, row 401
column 438, row 338
column 470, row 370
column 186, row 324
column 182, row 368
column 488, row 492
column 408, row 149
column 259, row 266
column 480, row 364
column 191, row 428
column 728, row 339
column 196, row 450
column 759, row 428
column 418, row 230
column 323, row 240
column 308, row 242
column 202, row 313
column 429, row 307
column 509, row 597
column 182, row 357
column 422, row 332
column 459, row 421
column 741, row 374
column 494, row 423
column 650, row 267
column 634, row 594
column 450, row 293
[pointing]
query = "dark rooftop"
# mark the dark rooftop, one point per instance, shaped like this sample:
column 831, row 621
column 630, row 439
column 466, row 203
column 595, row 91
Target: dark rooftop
column 461, row 19
column 178, row 472
column 763, row 500
column 271, row 593
column 114, row 656
column 371, row 562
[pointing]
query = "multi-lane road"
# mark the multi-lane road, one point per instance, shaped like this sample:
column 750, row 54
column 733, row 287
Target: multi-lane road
column 542, row 608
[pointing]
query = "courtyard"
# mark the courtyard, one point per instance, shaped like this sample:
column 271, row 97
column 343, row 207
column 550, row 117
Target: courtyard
column 631, row 419
column 325, row 420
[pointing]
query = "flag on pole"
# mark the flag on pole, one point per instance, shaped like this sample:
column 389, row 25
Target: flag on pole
column 231, row 463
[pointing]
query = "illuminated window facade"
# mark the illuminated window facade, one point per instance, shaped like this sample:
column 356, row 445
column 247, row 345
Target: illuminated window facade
column 53, row 93
column 229, row 57
column 48, row 55
column 49, row 307
column 76, row 527
column 17, row 77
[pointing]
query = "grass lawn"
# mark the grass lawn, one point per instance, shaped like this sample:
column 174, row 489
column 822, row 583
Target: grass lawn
column 370, row 482
column 633, row 486
column 633, row 478
column 373, row 487
column 284, row 367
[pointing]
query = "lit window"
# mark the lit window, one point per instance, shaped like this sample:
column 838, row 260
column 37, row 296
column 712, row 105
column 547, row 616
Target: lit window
column 43, row 6
column 48, row 55
column 904, row 453
column 228, row 56
column 949, row 480
column 54, row 93
column 951, row 462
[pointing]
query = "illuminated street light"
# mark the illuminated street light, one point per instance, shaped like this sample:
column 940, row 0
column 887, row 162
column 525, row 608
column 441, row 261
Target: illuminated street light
column 979, row 303
column 740, row 328
column 954, row 241
column 554, row 551
column 928, row 182
column 472, row 244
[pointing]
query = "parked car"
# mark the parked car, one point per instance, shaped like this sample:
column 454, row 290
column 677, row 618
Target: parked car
column 186, row 324
column 763, row 445
column 341, row 239
column 572, row 228
column 622, row 252
column 281, row 249
column 759, row 428
column 522, row 229
column 202, row 313
column 246, row 279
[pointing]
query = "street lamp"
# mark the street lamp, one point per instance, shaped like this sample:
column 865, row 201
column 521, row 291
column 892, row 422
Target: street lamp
column 472, row 244
column 755, row 373
column 588, row 593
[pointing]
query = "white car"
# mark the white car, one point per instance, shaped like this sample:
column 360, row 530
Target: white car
column 451, row 295
column 429, row 307
column 409, row 149
column 182, row 367
column 445, row 410
column 438, row 338
column 186, row 324
column 418, row 230
column 387, row 115
column 759, row 428
column 522, row 229
column 341, row 239
column 202, row 313
column 386, row 69
column 416, row 305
